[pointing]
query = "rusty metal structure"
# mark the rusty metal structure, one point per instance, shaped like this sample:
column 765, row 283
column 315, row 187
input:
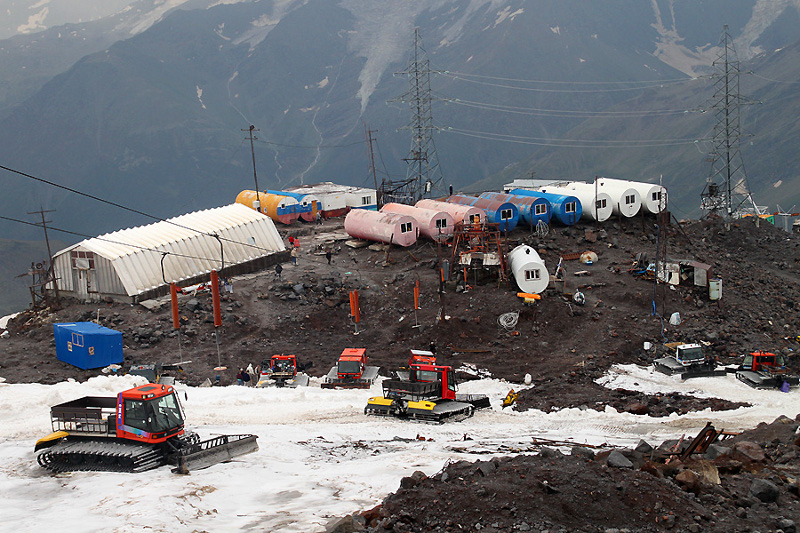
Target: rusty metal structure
column 479, row 250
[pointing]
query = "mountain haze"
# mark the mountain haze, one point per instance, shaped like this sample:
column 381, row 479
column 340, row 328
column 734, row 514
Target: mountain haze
column 146, row 107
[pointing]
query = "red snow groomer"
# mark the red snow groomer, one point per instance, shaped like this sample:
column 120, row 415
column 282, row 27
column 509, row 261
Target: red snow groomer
column 142, row 428
column 351, row 371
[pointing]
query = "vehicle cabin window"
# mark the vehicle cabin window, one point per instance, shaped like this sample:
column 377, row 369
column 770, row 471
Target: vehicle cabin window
column 451, row 380
column 540, row 209
column 441, row 223
column 505, row 214
column 569, row 207
column 600, row 204
column 532, row 274
column 748, row 361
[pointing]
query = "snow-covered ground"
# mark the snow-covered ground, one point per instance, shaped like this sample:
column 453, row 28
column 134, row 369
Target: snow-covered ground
column 319, row 455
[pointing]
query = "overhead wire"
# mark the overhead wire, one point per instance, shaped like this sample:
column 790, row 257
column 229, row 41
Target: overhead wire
column 572, row 143
column 568, row 112
column 126, row 208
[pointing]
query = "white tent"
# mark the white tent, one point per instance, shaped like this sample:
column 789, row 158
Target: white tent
column 136, row 261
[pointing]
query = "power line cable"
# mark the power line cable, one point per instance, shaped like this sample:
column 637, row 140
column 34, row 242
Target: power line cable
column 558, row 82
column 309, row 145
column 132, row 210
column 572, row 143
column 568, row 113
column 535, row 89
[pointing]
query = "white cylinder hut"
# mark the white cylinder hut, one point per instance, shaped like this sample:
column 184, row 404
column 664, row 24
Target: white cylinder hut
column 596, row 206
column 434, row 224
column 627, row 200
column 654, row 197
column 390, row 228
column 460, row 213
column 528, row 269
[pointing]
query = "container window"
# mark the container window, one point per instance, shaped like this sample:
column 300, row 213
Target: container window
column 405, row 227
column 82, row 260
column 441, row 223
column 531, row 275
column 474, row 219
column 657, row 196
column 600, row 204
column 569, row 207
column 505, row 214
column 630, row 199
column 540, row 209
column 365, row 200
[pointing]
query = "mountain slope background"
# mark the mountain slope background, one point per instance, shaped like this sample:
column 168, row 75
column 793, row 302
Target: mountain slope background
column 146, row 107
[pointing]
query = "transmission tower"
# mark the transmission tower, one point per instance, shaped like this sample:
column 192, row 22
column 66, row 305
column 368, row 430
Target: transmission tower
column 727, row 192
column 423, row 173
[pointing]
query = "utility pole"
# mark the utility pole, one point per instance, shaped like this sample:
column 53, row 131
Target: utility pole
column 726, row 190
column 423, row 172
column 51, row 274
column 253, row 153
column 369, row 133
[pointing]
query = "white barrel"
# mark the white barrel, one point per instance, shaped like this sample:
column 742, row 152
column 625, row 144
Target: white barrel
column 528, row 269
column 597, row 207
column 434, row 224
column 460, row 213
column 653, row 197
column 715, row 288
column 390, row 228
column 627, row 200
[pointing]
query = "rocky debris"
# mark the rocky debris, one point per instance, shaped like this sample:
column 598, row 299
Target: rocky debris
column 637, row 490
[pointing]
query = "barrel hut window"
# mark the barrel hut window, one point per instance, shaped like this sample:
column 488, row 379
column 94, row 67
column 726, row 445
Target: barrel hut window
column 569, row 207
column 506, row 214
column 540, row 209
column 531, row 275
column 474, row 219
column 405, row 227
column 441, row 223
column 657, row 196
column 630, row 199
column 365, row 200
column 600, row 204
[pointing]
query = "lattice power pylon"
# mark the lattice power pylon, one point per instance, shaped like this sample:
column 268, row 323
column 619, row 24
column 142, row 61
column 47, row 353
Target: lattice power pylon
column 726, row 192
column 423, row 174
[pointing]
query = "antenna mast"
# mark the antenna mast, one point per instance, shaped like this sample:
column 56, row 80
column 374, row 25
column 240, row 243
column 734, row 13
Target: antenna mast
column 726, row 191
column 423, row 173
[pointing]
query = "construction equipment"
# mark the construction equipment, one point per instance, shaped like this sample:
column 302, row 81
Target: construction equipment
column 351, row 371
column 689, row 361
column 283, row 371
column 510, row 398
column 141, row 429
column 415, row 357
column 766, row 370
column 428, row 396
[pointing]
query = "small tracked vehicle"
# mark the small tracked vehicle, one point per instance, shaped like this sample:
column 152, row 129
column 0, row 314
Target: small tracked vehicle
column 429, row 395
column 351, row 371
column 766, row 370
column 141, row 429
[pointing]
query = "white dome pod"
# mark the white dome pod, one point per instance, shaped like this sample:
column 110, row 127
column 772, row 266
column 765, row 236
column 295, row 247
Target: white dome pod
column 627, row 200
column 654, row 197
column 390, row 228
column 434, row 224
column 597, row 207
column 528, row 269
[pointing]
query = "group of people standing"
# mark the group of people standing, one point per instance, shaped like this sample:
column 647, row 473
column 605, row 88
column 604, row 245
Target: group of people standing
column 247, row 376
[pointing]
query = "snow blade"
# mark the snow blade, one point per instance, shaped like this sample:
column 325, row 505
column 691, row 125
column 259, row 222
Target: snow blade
column 212, row 451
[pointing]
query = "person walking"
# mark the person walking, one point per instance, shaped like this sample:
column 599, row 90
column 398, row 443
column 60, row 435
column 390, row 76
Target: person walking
column 328, row 256
column 294, row 256
column 240, row 377
column 278, row 270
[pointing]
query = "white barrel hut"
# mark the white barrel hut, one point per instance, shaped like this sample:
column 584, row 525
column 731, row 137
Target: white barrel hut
column 390, row 228
column 654, row 197
column 627, row 200
column 596, row 206
column 434, row 224
column 460, row 213
column 528, row 269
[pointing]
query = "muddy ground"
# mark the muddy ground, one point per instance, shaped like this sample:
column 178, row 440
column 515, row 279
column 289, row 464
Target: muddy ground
column 563, row 346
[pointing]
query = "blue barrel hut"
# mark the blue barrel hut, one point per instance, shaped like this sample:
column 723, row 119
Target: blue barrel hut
column 565, row 209
column 307, row 204
column 532, row 209
column 504, row 214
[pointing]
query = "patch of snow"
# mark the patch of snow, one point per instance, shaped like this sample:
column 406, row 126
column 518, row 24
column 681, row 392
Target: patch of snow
column 581, row 60
column 556, row 30
column 4, row 320
column 506, row 14
column 200, row 96
column 774, row 185
column 39, row 4
column 35, row 22
column 323, row 83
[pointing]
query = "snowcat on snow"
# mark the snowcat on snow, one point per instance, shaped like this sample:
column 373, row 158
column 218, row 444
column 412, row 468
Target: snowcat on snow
column 351, row 371
column 766, row 370
column 428, row 396
column 416, row 357
column 689, row 361
column 141, row 429
column 283, row 371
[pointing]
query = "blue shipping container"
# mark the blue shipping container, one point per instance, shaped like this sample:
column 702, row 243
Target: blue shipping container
column 87, row 345
column 565, row 208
